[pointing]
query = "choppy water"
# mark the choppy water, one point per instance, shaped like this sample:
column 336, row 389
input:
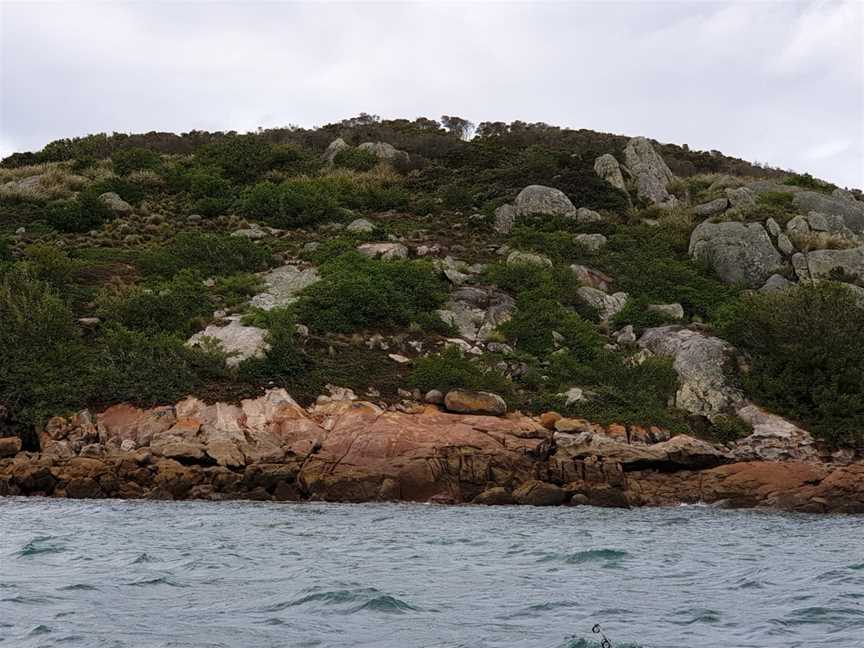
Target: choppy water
column 242, row 575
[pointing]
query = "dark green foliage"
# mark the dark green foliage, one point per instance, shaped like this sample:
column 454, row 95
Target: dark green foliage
column 50, row 264
column 536, row 317
column 728, row 429
column 5, row 251
column 41, row 354
column 561, row 247
column 779, row 199
column 451, row 370
column 357, row 292
column 651, row 263
column 620, row 392
column 208, row 254
column 556, row 283
column 285, row 360
column 81, row 214
column 126, row 189
column 636, row 312
column 356, row 158
column 293, row 203
column 807, row 181
column 172, row 306
column 125, row 161
column 245, row 158
column 148, row 368
column 807, row 360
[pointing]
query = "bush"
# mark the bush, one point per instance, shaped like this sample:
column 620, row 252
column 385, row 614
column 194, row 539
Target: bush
column 148, row 368
column 284, row 360
column 208, row 254
column 620, row 392
column 356, row 159
column 556, row 283
column 561, row 247
column 451, row 370
column 41, row 353
column 125, row 161
column 171, row 306
column 357, row 292
column 636, row 312
column 51, row 264
column 293, row 203
column 807, row 361
column 81, row 214
column 651, row 264
column 807, row 181
column 245, row 158
column 535, row 319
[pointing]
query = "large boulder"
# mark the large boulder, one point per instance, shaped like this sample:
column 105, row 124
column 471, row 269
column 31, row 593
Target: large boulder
column 115, row 203
column 333, row 149
column 9, row 446
column 537, row 199
column 384, row 251
column 711, row 208
column 607, row 305
column 650, row 171
column 465, row 401
column 607, row 167
column 701, row 362
column 477, row 311
column 678, row 453
column 773, row 438
column 240, row 342
column 517, row 257
column 284, row 284
column 826, row 264
column 851, row 211
column 539, row 493
column 740, row 253
column 384, row 151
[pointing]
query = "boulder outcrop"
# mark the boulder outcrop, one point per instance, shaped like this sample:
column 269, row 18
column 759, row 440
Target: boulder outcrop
column 651, row 174
column 739, row 253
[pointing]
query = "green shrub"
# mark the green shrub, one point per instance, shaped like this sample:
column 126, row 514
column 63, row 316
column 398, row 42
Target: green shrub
column 451, row 370
column 148, row 368
column 636, row 312
column 5, row 251
column 356, row 158
column 561, row 247
column 357, row 292
column 620, row 392
column 293, row 203
column 779, row 199
column 807, row 181
column 125, row 161
column 556, row 283
column 208, row 254
column 728, row 429
column 651, row 264
column 172, row 306
column 807, row 361
column 50, row 263
column 245, row 158
column 41, row 353
column 535, row 319
column 284, row 360
column 81, row 214
column 128, row 190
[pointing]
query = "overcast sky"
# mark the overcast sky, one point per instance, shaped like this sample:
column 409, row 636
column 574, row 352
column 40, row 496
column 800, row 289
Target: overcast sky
column 775, row 82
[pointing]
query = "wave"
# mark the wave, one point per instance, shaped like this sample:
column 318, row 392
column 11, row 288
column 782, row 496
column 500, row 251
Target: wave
column 588, row 556
column 351, row 600
column 40, row 545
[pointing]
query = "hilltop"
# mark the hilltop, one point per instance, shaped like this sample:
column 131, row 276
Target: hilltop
column 610, row 278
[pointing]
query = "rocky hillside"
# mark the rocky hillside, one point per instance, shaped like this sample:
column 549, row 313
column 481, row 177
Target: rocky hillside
column 611, row 279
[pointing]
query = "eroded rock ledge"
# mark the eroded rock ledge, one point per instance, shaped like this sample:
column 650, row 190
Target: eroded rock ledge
column 345, row 450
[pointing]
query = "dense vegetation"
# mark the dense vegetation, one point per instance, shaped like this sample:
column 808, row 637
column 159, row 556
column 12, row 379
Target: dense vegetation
column 165, row 265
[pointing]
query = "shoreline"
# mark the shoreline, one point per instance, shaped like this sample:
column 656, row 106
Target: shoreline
column 344, row 450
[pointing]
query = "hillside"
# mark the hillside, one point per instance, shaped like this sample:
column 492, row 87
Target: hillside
column 599, row 276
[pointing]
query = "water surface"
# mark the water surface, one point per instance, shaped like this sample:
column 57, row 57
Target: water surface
column 242, row 575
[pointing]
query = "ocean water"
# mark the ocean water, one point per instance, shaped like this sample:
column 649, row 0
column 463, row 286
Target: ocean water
column 244, row 574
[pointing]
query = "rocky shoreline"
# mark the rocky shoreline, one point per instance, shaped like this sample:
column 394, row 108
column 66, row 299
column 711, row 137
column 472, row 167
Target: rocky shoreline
column 346, row 450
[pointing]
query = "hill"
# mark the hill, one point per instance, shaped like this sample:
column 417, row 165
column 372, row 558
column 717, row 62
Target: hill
column 601, row 276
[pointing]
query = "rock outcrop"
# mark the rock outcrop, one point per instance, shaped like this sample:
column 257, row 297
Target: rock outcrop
column 239, row 341
column 607, row 167
column 284, row 284
column 650, row 172
column 739, row 253
column 700, row 362
column 341, row 449
column 477, row 311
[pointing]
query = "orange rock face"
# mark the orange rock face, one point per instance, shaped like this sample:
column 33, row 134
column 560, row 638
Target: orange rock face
column 350, row 451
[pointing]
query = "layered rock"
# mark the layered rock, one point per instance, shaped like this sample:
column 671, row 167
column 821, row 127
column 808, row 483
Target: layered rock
column 270, row 448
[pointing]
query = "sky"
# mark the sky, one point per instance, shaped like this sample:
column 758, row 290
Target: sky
column 780, row 83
